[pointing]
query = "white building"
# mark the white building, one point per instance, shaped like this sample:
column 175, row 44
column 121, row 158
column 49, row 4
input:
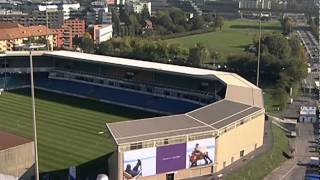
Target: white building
column 308, row 114
column 66, row 8
column 102, row 32
column 137, row 6
column 120, row 2
column 98, row 13
column 254, row 4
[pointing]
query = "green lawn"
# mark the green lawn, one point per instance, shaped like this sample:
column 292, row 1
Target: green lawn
column 67, row 128
column 235, row 36
column 258, row 168
column 271, row 104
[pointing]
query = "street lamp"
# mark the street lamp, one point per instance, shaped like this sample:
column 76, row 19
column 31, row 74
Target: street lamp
column 259, row 45
column 30, row 48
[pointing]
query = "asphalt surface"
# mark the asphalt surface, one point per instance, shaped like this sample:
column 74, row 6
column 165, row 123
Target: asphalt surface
column 295, row 168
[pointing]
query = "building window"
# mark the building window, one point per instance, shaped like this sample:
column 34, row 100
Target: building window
column 232, row 159
column 255, row 146
column 136, row 146
column 224, row 164
column 241, row 153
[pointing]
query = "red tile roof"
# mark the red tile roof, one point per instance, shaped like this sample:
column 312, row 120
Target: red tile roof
column 10, row 31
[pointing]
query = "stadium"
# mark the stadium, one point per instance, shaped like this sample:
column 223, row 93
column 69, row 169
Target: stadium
column 210, row 119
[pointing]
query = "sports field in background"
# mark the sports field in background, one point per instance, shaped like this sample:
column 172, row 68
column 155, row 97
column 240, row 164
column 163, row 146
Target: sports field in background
column 235, row 36
column 67, row 128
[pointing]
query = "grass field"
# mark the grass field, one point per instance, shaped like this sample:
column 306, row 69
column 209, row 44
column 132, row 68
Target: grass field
column 235, row 36
column 258, row 168
column 67, row 128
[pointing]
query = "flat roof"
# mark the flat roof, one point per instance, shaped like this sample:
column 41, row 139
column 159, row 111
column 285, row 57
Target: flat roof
column 8, row 140
column 216, row 112
column 205, row 119
column 157, row 127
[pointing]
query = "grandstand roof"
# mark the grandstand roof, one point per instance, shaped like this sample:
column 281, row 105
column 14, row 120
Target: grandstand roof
column 209, row 118
column 238, row 89
column 8, row 140
column 229, row 78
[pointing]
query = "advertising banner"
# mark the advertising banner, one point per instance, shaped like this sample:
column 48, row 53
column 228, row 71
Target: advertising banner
column 200, row 152
column 171, row 158
column 141, row 162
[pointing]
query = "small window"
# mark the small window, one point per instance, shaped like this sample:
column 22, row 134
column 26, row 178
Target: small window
column 224, row 164
column 241, row 153
column 232, row 159
column 136, row 146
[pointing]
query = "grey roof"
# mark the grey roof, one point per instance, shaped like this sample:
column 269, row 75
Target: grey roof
column 144, row 129
column 218, row 111
column 206, row 119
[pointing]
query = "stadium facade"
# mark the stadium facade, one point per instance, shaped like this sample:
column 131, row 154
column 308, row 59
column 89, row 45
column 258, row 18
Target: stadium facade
column 212, row 118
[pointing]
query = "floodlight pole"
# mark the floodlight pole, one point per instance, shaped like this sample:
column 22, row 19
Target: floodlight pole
column 47, row 26
column 259, row 46
column 34, row 118
column 5, row 74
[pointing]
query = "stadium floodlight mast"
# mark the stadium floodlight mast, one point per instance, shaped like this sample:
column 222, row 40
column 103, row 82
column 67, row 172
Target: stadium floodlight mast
column 259, row 44
column 30, row 48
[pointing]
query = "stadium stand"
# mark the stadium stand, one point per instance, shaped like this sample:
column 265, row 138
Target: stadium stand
column 13, row 81
column 126, row 98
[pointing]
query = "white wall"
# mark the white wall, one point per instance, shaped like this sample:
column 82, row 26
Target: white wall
column 103, row 34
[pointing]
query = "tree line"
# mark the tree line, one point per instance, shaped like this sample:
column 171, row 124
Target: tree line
column 283, row 64
column 157, row 51
column 164, row 22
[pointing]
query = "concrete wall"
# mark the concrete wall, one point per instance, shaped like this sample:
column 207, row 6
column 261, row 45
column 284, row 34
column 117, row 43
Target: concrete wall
column 247, row 137
column 17, row 160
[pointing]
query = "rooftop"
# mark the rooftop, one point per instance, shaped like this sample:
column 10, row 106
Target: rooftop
column 8, row 140
column 308, row 110
column 206, row 119
column 10, row 31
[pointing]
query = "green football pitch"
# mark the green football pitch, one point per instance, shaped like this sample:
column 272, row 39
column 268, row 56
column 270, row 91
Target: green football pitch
column 68, row 129
column 234, row 37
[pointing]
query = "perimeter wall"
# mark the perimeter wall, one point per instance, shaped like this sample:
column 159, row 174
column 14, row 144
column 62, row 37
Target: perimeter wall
column 17, row 160
column 245, row 137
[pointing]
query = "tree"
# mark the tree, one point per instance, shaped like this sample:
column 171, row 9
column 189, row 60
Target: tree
column 116, row 23
column 133, row 21
column 87, row 43
column 245, row 65
column 287, row 25
column 277, row 45
column 198, row 22
column 219, row 22
column 145, row 15
column 198, row 55
column 164, row 20
column 124, row 16
column 178, row 16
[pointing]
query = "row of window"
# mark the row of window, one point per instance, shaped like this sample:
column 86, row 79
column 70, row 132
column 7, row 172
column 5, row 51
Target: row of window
column 166, row 141
column 239, row 123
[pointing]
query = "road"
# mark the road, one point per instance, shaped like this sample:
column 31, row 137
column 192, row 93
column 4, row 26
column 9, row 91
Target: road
column 312, row 47
column 292, row 169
